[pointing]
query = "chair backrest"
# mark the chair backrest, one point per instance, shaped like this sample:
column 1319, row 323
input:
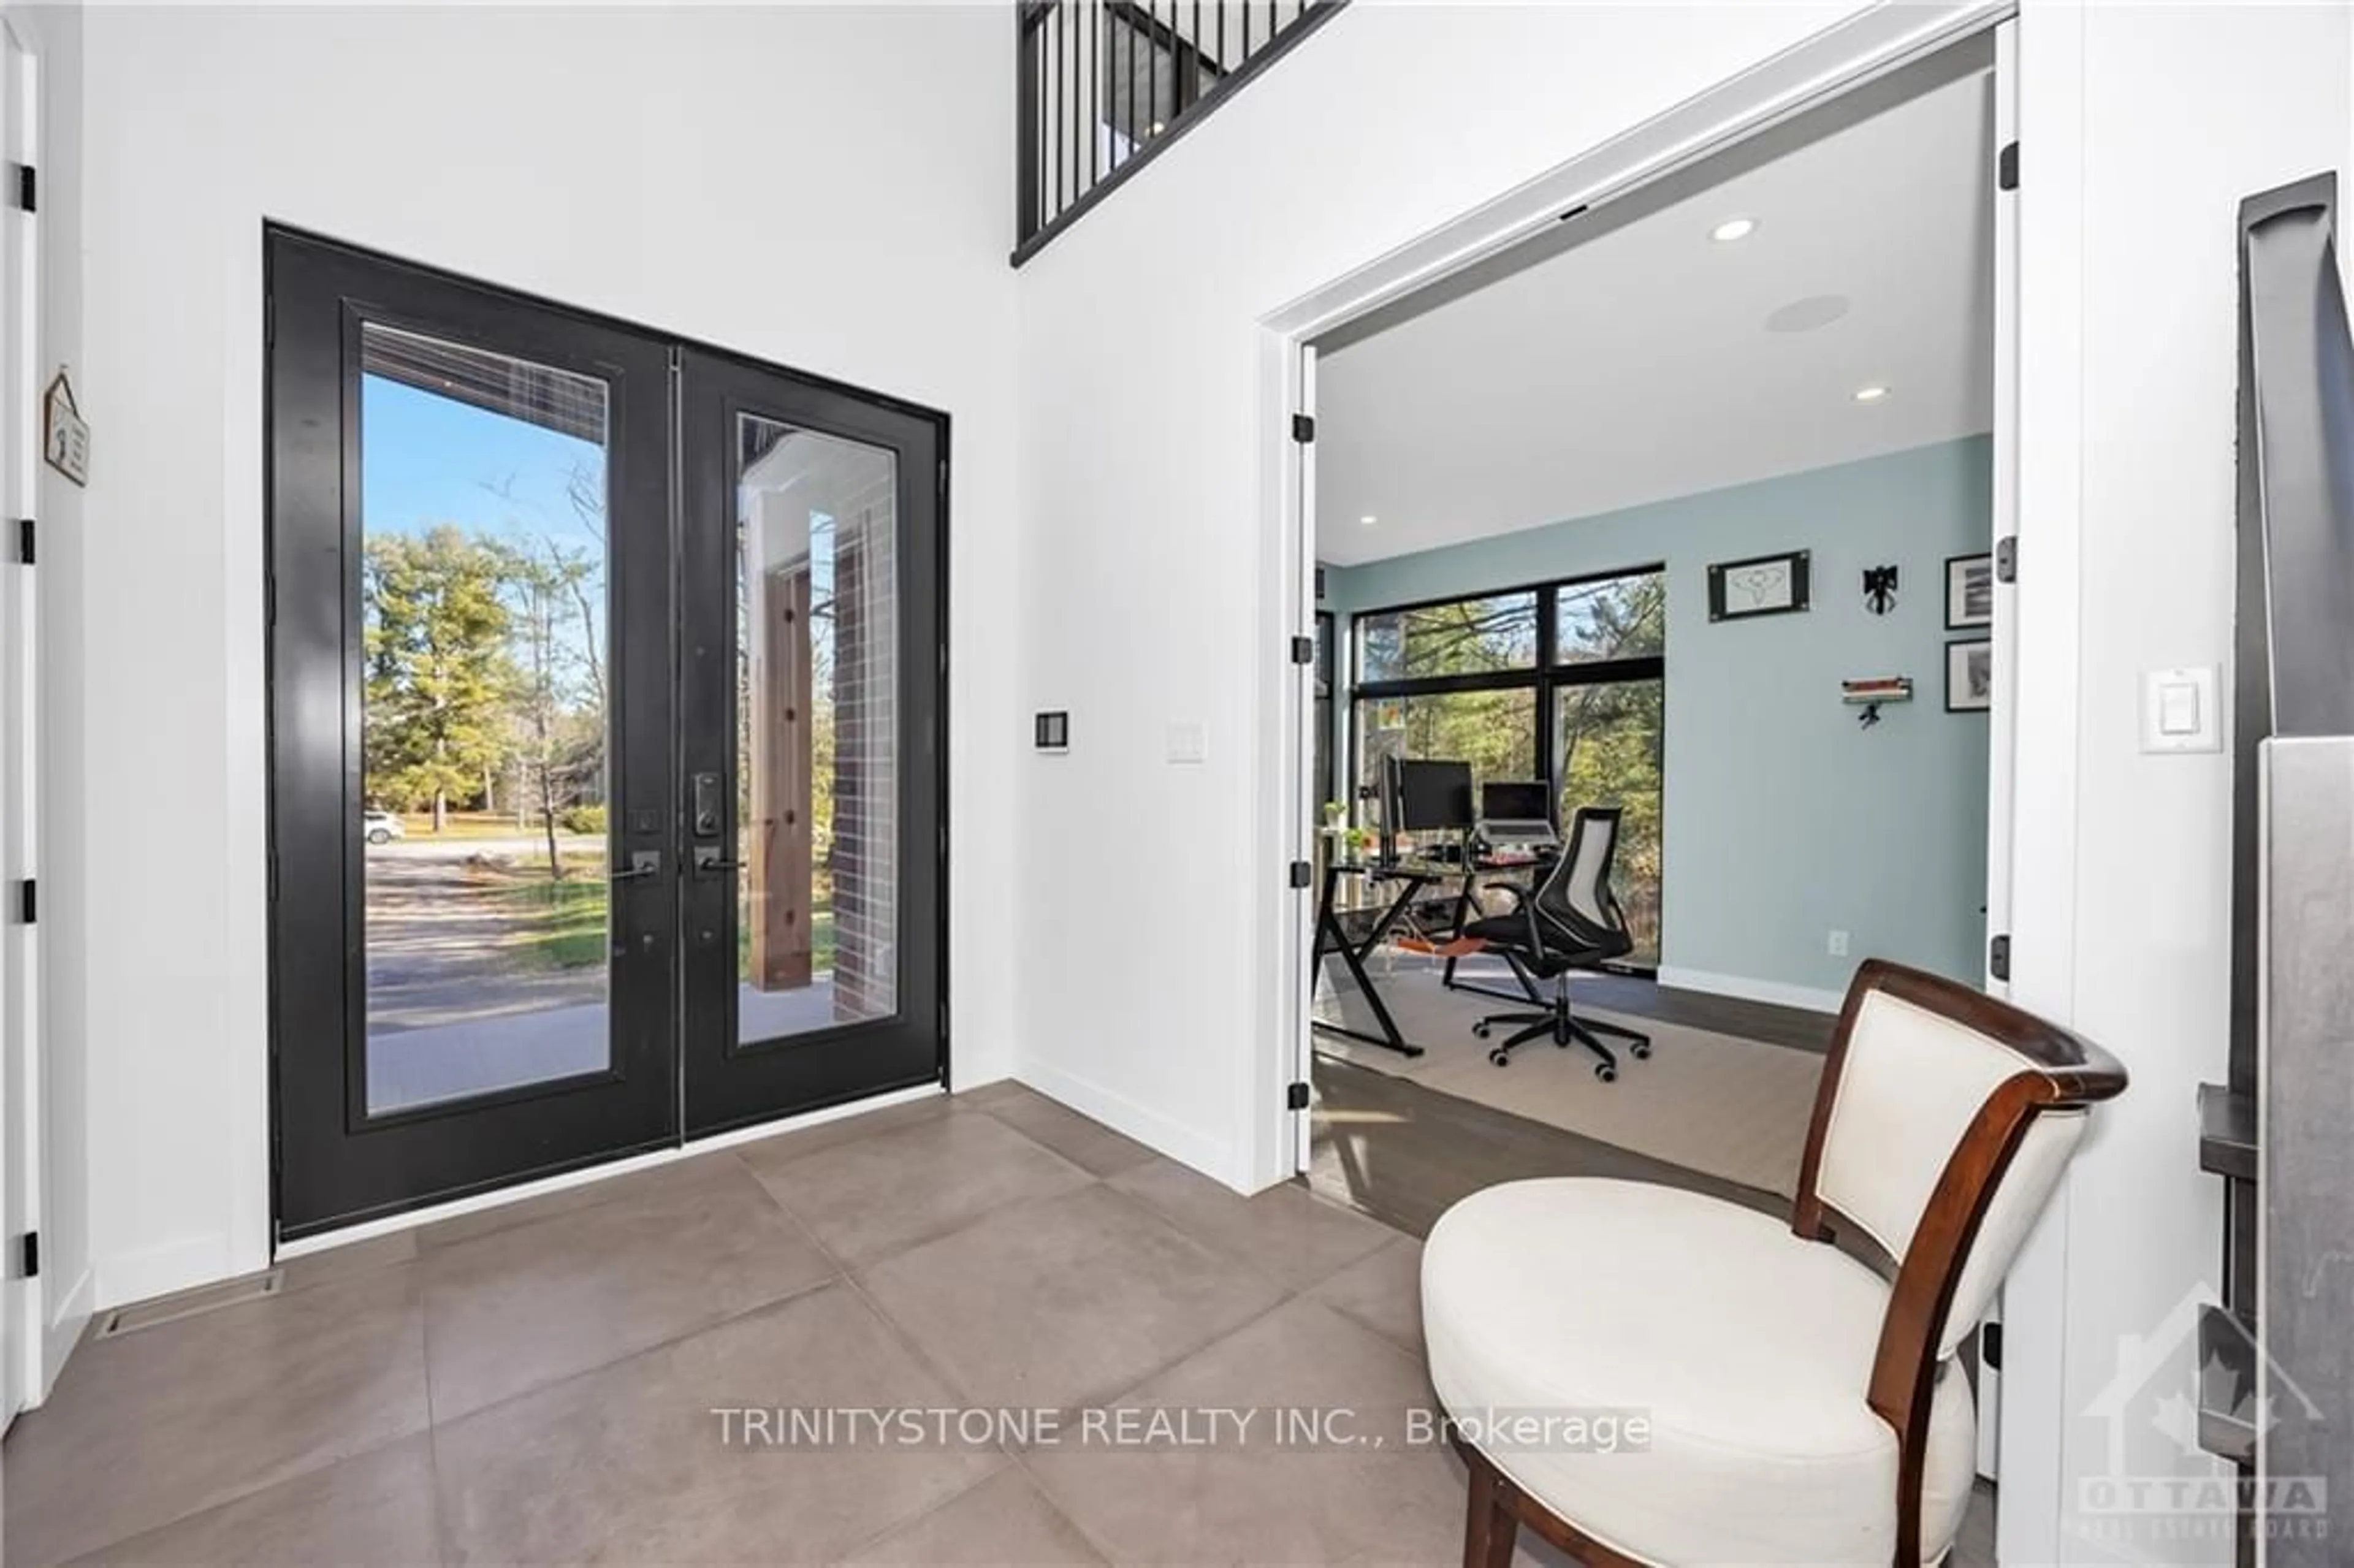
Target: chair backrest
column 1576, row 900
column 1944, row 1121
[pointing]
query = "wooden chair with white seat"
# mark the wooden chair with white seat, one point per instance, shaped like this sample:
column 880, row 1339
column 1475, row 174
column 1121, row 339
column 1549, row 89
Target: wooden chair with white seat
column 1803, row 1406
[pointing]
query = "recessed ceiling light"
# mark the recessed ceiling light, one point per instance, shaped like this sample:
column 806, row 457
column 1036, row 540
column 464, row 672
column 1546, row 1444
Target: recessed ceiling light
column 1732, row 229
column 1368, row 522
column 1870, row 394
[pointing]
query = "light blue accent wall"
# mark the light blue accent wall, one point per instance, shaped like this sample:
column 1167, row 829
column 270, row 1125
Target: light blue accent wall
column 1784, row 820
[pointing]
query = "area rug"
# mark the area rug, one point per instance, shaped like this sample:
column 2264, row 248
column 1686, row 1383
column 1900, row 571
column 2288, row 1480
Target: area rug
column 1713, row 1103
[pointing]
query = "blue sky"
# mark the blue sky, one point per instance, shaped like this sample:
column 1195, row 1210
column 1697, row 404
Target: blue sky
column 428, row 460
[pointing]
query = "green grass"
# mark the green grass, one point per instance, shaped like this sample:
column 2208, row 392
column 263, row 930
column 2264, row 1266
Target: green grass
column 562, row 925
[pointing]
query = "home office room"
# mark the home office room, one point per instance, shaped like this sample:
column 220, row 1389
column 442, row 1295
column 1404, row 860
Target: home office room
column 1654, row 594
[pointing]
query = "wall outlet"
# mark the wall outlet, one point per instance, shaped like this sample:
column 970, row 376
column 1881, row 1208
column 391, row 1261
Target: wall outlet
column 1839, row 944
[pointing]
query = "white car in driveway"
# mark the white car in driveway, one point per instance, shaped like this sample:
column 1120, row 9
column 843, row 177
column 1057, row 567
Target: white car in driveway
column 380, row 827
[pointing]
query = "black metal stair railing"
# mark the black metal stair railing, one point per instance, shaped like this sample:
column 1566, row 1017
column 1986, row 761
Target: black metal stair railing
column 1105, row 85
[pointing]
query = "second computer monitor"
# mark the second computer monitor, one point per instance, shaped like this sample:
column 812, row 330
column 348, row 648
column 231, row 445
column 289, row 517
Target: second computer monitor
column 1430, row 797
column 1514, row 802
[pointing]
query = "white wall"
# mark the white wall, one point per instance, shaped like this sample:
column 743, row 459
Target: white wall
column 1140, row 435
column 824, row 188
column 2183, row 112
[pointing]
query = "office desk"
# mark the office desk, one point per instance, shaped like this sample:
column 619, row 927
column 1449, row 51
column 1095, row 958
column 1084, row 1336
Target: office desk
column 1410, row 877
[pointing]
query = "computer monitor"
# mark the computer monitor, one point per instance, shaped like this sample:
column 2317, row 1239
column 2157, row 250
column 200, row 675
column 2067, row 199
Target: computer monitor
column 1428, row 796
column 1515, row 801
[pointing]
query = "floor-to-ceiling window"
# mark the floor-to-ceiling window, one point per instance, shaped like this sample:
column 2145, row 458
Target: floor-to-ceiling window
column 1565, row 682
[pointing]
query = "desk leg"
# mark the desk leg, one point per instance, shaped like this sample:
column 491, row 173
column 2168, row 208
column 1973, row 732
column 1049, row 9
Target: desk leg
column 1354, row 956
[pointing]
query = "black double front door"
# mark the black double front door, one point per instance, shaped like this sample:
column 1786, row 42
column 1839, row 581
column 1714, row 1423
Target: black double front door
column 606, row 768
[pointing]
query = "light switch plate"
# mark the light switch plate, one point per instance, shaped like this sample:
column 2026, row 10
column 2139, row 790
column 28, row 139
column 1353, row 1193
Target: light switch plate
column 1188, row 742
column 2181, row 710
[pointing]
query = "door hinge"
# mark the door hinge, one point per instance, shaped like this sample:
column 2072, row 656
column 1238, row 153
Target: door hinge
column 1303, row 428
column 1999, row 956
column 1302, row 874
column 2006, row 558
column 28, row 188
column 1294, row 1098
column 28, row 907
column 2006, row 167
column 1990, row 1346
column 24, row 540
column 29, row 1255
column 1303, row 649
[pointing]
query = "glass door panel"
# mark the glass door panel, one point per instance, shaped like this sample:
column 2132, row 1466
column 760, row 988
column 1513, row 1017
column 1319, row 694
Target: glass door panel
column 484, row 646
column 817, row 730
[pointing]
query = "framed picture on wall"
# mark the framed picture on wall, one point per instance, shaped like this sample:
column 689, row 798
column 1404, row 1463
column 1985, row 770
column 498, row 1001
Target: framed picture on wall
column 1969, row 592
column 1969, row 675
column 1763, row 585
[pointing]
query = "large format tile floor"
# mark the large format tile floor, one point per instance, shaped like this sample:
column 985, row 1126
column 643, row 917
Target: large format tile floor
column 538, row 1383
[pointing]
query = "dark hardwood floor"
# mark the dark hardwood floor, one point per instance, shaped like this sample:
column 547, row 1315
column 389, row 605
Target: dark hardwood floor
column 1403, row 1153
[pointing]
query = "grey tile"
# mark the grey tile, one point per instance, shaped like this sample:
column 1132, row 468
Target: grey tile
column 1285, row 1233
column 871, row 1197
column 770, row 1152
column 627, row 1464
column 1005, row 1520
column 351, row 1258
column 1081, row 1140
column 374, row 1510
column 1056, row 1302
column 507, row 1216
column 152, row 1426
column 1384, row 1291
column 520, row 1307
column 993, row 1094
column 1270, row 1495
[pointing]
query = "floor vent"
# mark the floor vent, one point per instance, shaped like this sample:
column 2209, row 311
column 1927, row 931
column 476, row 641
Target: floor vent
column 188, row 1304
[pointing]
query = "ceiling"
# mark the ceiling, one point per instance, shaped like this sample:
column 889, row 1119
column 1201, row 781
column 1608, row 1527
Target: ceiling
column 1639, row 365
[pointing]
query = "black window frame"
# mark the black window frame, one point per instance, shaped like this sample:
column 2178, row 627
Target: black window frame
column 1549, row 677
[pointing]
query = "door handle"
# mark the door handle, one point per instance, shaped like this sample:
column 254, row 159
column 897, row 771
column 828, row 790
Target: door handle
column 708, row 859
column 643, row 864
column 706, row 805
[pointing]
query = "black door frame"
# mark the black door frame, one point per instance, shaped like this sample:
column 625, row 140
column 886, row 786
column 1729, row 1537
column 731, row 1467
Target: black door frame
column 331, row 1164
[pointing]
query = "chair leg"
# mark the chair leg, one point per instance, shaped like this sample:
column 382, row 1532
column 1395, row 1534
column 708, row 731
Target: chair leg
column 1490, row 1527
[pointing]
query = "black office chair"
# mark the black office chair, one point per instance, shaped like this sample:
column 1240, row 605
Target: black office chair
column 1572, row 921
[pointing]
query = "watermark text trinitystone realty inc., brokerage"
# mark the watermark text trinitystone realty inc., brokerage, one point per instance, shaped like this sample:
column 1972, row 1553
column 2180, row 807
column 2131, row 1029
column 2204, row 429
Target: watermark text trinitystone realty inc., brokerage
column 1529, row 1430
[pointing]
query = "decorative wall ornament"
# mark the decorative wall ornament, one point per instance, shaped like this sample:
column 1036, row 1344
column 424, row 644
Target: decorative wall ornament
column 1762, row 584
column 1880, row 590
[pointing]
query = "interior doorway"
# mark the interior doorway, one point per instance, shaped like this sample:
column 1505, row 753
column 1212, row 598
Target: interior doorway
column 1433, row 558
column 606, row 787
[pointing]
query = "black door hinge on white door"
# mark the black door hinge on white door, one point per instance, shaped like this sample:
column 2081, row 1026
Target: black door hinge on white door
column 28, row 905
column 1303, row 428
column 1303, row 650
column 1999, row 956
column 2006, row 558
column 2006, row 167
column 28, row 188
column 1295, row 1096
column 29, row 1254
column 1990, row 1346
column 1302, row 874
column 24, row 540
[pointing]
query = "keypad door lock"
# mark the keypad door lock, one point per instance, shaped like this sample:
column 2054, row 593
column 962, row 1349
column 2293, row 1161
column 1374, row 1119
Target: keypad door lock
column 706, row 805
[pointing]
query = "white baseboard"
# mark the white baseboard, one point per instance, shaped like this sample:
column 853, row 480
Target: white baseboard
column 62, row 1332
column 161, row 1270
column 1123, row 1115
column 1776, row 992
